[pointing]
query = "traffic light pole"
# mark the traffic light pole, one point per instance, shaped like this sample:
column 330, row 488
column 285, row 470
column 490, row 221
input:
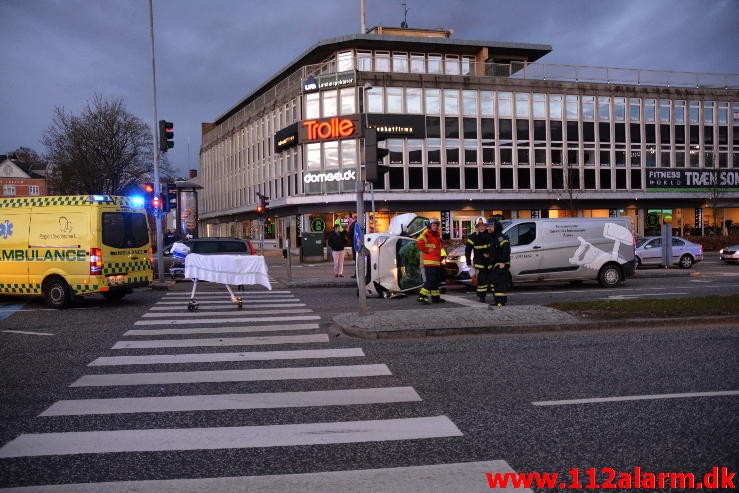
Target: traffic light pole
column 155, row 131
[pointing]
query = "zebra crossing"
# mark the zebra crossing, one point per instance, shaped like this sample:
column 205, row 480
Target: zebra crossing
column 168, row 337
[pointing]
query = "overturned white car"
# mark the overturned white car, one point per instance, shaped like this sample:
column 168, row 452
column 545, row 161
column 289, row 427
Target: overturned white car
column 392, row 259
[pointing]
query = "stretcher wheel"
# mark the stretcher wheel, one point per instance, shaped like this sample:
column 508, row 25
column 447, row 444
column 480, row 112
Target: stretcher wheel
column 240, row 304
column 192, row 306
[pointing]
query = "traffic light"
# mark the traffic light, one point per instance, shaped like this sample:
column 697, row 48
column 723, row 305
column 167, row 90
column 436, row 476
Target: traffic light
column 166, row 134
column 148, row 195
column 171, row 201
column 156, row 203
column 373, row 155
column 263, row 203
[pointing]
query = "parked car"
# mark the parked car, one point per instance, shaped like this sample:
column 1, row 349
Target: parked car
column 175, row 267
column 684, row 253
column 730, row 254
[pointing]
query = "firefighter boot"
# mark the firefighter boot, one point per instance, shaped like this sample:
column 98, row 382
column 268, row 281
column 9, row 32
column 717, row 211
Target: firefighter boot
column 481, row 295
column 437, row 299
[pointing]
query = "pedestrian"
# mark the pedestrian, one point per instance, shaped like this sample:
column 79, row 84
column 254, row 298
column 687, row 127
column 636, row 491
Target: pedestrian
column 429, row 242
column 336, row 240
column 477, row 252
column 500, row 248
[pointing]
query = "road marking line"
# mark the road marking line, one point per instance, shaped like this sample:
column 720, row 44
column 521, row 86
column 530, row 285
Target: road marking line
column 220, row 402
column 464, row 301
column 468, row 477
column 98, row 442
column 251, row 375
column 227, row 320
column 166, row 359
column 220, row 330
column 225, row 293
column 247, row 305
column 221, row 341
column 634, row 296
column 636, row 398
column 229, row 302
column 245, row 311
column 28, row 333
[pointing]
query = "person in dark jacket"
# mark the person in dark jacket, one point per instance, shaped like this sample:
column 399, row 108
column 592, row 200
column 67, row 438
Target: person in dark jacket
column 336, row 239
column 500, row 248
column 477, row 253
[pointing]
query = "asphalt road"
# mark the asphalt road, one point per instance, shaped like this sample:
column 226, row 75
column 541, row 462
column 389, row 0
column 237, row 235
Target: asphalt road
column 476, row 398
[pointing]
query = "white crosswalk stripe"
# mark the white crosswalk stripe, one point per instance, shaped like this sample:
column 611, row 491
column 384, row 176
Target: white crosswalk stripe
column 220, row 330
column 254, row 375
column 277, row 312
column 221, row 341
column 167, row 359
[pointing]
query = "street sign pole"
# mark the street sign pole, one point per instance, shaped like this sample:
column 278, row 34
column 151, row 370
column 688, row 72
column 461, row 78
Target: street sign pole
column 360, row 256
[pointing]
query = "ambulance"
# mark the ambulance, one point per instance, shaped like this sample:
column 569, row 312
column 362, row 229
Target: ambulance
column 62, row 247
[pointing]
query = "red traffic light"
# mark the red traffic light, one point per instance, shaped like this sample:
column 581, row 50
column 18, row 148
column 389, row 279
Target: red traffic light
column 156, row 203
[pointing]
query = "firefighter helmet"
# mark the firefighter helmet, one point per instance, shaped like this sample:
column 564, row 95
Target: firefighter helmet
column 433, row 220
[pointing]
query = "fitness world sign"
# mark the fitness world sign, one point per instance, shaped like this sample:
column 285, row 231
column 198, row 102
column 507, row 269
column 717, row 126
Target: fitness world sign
column 692, row 179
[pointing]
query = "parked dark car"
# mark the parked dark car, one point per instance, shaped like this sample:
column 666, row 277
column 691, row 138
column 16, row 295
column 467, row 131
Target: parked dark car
column 175, row 267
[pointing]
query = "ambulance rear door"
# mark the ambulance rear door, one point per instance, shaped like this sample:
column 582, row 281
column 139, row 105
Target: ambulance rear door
column 126, row 248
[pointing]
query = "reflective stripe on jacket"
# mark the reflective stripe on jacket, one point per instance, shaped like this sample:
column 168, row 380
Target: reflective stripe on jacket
column 430, row 246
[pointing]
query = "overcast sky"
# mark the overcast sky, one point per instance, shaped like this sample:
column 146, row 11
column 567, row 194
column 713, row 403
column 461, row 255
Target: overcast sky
column 213, row 53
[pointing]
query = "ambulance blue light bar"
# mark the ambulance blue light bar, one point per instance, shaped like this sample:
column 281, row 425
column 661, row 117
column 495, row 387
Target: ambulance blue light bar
column 99, row 198
column 137, row 201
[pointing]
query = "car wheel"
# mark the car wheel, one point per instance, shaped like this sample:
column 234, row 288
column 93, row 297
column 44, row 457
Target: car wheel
column 609, row 275
column 638, row 262
column 57, row 293
column 686, row 261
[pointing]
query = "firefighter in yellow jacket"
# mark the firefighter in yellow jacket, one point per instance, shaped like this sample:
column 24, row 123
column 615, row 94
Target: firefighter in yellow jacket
column 430, row 245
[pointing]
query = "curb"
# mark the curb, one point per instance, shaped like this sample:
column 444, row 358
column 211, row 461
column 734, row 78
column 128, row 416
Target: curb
column 636, row 324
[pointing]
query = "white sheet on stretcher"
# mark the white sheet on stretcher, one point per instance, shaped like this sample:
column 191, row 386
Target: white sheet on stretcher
column 227, row 269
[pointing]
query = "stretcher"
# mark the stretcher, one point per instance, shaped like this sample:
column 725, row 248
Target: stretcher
column 229, row 270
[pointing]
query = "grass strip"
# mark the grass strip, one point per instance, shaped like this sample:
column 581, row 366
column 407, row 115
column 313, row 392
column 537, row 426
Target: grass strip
column 653, row 308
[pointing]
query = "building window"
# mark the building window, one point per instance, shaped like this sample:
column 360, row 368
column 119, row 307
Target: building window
column 451, row 65
column 394, row 99
column 34, row 190
column 555, row 106
column 468, row 63
column 375, row 103
column 469, row 103
column 540, row 105
column 588, row 108
column 572, row 107
column 330, row 102
column 505, row 105
column 679, row 111
column 400, row 62
column 313, row 156
column 345, row 61
column 434, row 64
column 382, row 61
column 413, row 101
column 348, row 101
column 451, row 102
column 522, row 105
column 348, row 153
column 635, row 109
column 708, row 112
column 418, row 63
column 9, row 190
column 694, row 111
column 415, row 151
column 664, row 111
column 604, row 109
column 364, row 61
column 487, row 103
column 312, row 105
column 650, row 109
column 619, row 109
column 433, row 101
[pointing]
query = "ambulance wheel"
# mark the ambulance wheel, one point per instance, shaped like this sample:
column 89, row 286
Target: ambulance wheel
column 57, row 293
column 609, row 275
column 114, row 295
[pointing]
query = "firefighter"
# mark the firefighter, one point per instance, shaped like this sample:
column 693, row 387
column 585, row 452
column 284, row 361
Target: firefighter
column 500, row 248
column 478, row 244
column 429, row 242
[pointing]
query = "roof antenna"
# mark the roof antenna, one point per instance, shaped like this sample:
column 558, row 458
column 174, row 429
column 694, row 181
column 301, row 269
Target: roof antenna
column 404, row 24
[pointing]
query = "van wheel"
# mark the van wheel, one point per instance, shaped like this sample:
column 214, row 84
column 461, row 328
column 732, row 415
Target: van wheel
column 57, row 293
column 686, row 261
column 114, row 295
column 609, row 275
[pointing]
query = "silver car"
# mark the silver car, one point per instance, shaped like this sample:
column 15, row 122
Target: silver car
column 684, row 253
column 730, row 254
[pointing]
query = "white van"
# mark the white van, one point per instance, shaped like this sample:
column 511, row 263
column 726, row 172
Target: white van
column 571, row 249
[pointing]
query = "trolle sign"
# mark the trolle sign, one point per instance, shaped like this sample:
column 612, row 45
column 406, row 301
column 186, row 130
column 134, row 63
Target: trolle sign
column 685, row 178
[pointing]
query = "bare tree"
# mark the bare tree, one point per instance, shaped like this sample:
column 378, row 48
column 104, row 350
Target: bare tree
column 715, row 193
column 570, row 186
column 103, row 150
column 27, row 155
